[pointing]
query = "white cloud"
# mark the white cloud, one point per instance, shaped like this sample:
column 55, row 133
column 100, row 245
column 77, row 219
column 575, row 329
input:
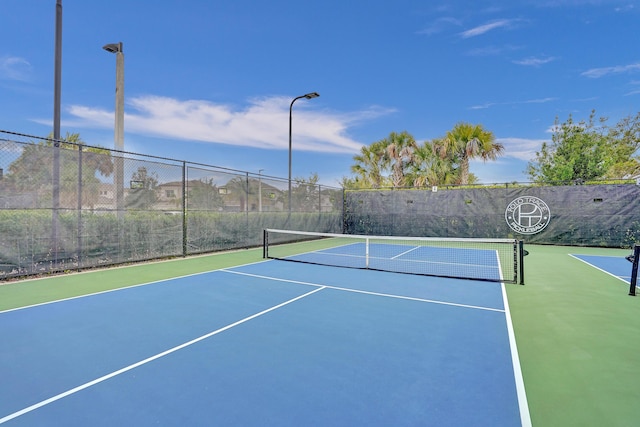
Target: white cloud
column 492, row 50
column 625, row 8
column 529, row 101
column 482, row 29
column 263, row 123
column 15, row 68
column 499, row 171
column 534, row 62
column 596, row 73
column 511, row 166
column 483, row 106
column 521, row 148
column 440, row 25
column 573, row 3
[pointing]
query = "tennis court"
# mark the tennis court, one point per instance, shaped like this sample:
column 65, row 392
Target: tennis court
column 269, row 343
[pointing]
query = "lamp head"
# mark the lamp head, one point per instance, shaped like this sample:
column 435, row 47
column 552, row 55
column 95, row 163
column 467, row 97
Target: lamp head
column 312, row 95
column 113, row 47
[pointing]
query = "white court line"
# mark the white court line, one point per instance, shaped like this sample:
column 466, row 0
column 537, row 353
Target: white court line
column 123, row 288
column 147, row 360
column 107, row 291
column 357, row 291
column 408, row 261
column 523, row 405
column 406, row 252
column 525, row 416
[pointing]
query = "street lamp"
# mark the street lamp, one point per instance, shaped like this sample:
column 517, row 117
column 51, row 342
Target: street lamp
column 119, row 123
column 306, row 96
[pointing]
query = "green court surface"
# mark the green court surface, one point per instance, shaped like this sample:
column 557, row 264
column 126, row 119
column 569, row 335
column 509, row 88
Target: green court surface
column 576, row 327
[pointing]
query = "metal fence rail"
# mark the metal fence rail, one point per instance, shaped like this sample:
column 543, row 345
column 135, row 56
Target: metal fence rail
column 164, row 207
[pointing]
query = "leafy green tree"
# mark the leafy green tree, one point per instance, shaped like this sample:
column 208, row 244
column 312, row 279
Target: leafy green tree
column 305, row 194
column 32, row 172
column 353, row 183
column 624, row 142
column 588, row 150
column 142, row 194
column 466, row 142
column 204, row 195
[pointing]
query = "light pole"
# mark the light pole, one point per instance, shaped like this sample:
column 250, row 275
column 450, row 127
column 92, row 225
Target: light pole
column 306, row 96
column 119, row 123
column 57, row 91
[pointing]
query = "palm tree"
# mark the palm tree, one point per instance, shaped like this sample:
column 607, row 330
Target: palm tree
column 400, row 148
column 429, row 169
column 466, row 142
column 370, row 165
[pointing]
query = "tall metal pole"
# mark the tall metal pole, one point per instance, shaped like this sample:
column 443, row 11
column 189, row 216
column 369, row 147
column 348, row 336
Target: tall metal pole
column 307, row 96
column 56, row 131
column 119, row 130
column 119, row 125
column 57, row 74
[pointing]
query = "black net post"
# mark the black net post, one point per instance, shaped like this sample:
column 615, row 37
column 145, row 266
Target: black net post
column 265, row 243
column 634, row 271
column 521, row 254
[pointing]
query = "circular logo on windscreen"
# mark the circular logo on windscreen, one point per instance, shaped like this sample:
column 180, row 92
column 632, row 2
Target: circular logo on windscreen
column 527, row 215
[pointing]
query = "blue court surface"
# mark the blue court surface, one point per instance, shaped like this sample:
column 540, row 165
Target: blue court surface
column 274, row 343
column 617, row 267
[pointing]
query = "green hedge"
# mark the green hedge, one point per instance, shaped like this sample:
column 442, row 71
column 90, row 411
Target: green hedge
column 96, row 239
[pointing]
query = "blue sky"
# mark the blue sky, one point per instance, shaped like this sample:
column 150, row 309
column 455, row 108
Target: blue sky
column 211, row 81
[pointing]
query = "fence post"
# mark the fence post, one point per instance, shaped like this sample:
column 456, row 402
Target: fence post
column 246, row 209
column 184, row 208
column 79, row 240
column 344, row 211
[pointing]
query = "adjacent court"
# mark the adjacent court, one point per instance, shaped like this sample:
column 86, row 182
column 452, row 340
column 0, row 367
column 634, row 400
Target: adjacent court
column 270, row 343
column 615, row 266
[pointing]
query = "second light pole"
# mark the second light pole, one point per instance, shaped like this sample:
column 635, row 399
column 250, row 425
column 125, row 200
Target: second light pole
column 119, row 124
column 306, row 96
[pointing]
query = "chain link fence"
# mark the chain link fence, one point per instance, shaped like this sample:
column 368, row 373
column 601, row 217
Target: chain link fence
column 68, row 206
column 106, row 207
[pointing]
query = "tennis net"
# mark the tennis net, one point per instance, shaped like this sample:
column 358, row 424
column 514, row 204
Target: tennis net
column 499, row 260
